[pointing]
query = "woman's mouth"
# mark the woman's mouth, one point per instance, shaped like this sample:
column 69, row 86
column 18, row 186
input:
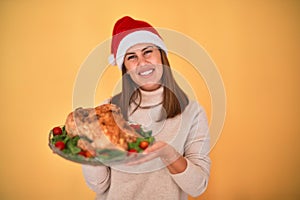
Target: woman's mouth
column 146, row 73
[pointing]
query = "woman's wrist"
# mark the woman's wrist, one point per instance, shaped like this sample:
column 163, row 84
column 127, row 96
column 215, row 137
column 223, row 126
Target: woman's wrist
column 175, row 162
column 179, row 165
column 169, row 155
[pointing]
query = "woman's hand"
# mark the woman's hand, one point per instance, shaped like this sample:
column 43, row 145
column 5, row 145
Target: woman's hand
column 170, row 157
column 160, row 150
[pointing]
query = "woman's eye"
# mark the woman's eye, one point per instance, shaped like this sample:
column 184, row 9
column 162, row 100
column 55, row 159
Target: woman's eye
column 131, row 57
column 147, row 52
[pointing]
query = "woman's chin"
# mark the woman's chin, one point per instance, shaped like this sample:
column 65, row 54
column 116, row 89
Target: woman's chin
column 150, row 87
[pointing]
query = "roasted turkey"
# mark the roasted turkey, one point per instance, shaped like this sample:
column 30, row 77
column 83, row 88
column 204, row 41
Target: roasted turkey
column 100, row 127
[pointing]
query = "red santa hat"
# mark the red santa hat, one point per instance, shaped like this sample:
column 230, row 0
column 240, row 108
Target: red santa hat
column 128, row 32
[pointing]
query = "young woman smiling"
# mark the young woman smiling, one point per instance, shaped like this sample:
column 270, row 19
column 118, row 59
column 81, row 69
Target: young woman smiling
column 177, row 164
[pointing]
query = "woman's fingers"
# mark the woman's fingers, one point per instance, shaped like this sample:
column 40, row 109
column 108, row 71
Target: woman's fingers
column 158, row 149
column 145, row 158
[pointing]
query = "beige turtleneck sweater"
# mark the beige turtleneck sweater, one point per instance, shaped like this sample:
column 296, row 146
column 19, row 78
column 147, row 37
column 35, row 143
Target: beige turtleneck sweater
column 187, row 133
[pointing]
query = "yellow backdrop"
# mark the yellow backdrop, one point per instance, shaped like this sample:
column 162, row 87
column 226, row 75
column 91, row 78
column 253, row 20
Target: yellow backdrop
column 255, row 45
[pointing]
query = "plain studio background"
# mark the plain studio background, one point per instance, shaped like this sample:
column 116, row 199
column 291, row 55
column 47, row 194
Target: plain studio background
column 255, row 45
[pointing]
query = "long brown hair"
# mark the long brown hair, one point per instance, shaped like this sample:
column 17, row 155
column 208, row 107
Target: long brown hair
column 174, row 98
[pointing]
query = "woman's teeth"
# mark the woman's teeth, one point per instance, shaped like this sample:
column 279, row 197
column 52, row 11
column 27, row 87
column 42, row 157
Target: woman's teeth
column 145, row 73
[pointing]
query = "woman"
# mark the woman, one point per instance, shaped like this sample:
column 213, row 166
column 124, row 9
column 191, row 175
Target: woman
column 177, row 164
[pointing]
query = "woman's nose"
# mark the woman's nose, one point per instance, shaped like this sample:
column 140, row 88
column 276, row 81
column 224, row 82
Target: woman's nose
column 142, row 60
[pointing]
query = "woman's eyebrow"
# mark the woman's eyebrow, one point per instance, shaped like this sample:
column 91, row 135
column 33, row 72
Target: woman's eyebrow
column 145, row 48
column 129, row 53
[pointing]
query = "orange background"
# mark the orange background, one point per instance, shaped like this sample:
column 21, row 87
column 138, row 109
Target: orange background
column 255, row 45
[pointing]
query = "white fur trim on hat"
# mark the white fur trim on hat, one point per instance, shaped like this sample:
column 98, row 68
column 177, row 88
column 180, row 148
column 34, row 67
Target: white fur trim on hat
column 111, row 59
column 136, row 38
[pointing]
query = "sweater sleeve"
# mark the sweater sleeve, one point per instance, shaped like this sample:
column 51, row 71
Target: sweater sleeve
column 194, row 179
column 97, row 178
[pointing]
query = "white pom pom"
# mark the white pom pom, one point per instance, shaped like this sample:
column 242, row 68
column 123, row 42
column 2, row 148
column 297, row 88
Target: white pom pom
column 111, row 59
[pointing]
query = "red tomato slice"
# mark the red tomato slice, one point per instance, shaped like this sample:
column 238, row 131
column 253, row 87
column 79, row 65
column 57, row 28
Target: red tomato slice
column 60, row 145
column 143, row 145
column 57, row 131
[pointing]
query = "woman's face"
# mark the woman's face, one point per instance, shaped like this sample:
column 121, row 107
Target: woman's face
column 143, row 64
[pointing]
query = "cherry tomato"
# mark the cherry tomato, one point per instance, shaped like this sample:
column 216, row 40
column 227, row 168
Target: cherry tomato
column 82, row 153
column 143, row 145
column 60, row 145
column 136, row 127
column 88, row 154
column 132, row 151
column 57, row 131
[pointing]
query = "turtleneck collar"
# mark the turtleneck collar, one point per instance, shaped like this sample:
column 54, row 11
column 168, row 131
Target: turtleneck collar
column 150, row 98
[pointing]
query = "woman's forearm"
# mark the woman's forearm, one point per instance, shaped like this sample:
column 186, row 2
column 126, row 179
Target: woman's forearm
column 177, row 166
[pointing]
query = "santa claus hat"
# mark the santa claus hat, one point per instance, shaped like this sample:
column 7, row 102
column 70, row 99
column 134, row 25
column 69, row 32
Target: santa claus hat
column 128, row 32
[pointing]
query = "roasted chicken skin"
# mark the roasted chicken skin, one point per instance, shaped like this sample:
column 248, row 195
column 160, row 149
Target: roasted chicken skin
column 100, row 127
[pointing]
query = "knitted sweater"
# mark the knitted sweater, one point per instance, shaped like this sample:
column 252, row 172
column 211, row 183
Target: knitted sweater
column 187, row 133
